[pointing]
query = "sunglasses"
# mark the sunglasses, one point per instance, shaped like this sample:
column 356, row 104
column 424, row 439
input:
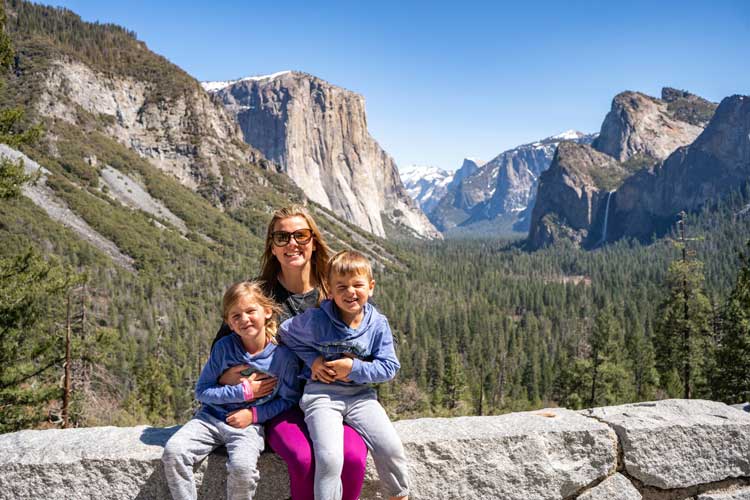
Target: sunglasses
column 282, row 238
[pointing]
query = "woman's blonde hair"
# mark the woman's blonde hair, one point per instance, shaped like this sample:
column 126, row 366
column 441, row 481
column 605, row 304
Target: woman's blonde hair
column 254, row 291
column 270, row 266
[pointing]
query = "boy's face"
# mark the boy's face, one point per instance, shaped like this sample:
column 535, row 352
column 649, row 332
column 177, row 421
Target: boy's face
column 350, row 294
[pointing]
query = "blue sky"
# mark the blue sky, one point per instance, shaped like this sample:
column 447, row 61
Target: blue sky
column 446, row 80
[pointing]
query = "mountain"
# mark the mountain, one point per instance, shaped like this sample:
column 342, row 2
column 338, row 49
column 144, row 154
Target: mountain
column 497, row 195
column 716, row 164
column 426, row 185
column 638, row 124
column 317, row 133
column 103, row 79
column 574, row 200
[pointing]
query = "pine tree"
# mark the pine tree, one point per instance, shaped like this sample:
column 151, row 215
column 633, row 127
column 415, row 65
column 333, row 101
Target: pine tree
column 642, row 360
column 611, row 380
column 454, row 379
column 733, row 354
column 682, row 333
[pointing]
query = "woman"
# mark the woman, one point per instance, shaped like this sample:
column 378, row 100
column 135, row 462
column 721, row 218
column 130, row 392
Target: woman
column 293, row 271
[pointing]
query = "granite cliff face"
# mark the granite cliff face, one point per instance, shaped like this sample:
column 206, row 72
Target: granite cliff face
column 187, row 135
column 467, row 168
column 636, row 134
column 318, row 133
column 642, row 125
column 570, row 194
column 717, row 163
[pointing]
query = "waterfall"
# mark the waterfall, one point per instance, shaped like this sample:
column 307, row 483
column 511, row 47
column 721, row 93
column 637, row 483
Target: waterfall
column 603, row 240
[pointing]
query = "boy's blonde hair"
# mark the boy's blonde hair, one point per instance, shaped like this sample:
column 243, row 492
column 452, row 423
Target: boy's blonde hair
column 347, row 263
column 254, row 291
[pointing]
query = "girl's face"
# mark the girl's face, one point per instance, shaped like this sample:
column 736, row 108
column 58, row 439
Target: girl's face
column 293, row 257
column 248, row 319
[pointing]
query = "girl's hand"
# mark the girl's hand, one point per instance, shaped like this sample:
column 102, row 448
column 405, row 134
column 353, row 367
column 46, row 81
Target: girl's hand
column 240, row 418
column 321, row 372
column 342, row 367
column 232, row 376
column 262, row 384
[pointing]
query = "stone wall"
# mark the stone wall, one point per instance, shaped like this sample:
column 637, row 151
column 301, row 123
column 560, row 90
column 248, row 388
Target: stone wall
column 665, row 450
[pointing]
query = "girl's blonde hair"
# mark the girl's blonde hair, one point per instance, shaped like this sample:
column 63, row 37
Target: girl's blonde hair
column 270, row 266
column 254, row 291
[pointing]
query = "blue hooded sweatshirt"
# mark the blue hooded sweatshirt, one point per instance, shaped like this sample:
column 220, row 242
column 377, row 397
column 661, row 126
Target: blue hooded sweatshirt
column 276, row 360
column 321, row 332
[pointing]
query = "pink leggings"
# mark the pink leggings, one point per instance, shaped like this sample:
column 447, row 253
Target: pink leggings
column 288, row 437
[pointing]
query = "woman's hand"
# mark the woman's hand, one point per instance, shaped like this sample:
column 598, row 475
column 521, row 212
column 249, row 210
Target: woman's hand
column 233, row 375
column 341, row 367
column 262, row 384
column 240, row 418
column 321, row 372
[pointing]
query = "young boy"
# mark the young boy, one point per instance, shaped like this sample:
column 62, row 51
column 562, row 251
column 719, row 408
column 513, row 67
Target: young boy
column 347, row 344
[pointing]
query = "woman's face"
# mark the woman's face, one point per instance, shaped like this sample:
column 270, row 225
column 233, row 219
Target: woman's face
column 293, row 257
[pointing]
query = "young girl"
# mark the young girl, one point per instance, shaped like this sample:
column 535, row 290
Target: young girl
column 231, row 415
column 347, row 345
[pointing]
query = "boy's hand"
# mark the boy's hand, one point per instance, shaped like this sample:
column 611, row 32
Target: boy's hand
column 342, row 367
column 321, row 372
column 240, row 418
column 232, row 376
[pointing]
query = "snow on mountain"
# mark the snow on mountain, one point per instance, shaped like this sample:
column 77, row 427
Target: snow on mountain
column 218, row 85
column 568, row 135
column 426, row 185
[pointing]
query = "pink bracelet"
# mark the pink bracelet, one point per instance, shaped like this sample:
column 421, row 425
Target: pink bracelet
column 247, row 390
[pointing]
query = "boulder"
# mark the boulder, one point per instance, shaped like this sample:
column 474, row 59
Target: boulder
column 680, row 443
column 550, row 454
column 615, row 487
column 735, row 494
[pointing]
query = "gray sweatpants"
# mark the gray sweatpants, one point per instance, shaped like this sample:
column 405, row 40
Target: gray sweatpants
column 197, row 439
column 326, row 407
